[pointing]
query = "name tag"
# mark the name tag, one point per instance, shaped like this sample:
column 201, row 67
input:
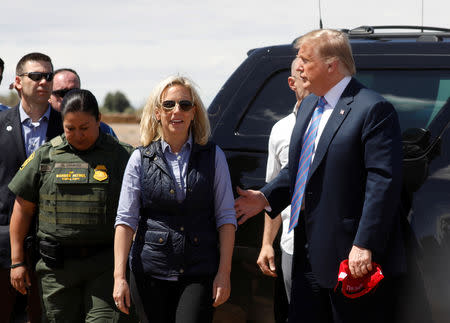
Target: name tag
column 71, row 173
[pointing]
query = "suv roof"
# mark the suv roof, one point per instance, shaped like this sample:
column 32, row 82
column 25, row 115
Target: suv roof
column 393, row 40
column 423, row 33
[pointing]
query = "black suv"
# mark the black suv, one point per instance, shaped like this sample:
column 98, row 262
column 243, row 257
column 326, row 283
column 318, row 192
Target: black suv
column 409, row 66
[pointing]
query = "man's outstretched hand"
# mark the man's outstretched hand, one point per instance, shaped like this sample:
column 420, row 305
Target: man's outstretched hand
column 248, row 204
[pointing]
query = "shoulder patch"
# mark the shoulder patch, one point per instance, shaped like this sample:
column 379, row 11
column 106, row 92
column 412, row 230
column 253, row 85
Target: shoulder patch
column 30, row 158
column 56, row 141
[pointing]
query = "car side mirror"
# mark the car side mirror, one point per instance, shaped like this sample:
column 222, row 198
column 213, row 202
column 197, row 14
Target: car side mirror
column 417, row 136
column 416, row 142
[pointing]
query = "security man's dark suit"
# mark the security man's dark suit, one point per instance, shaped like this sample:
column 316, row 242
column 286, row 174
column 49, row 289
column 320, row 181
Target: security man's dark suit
column 11, row 158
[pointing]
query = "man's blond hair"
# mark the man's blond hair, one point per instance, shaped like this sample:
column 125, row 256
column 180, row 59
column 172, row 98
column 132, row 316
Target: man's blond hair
column 331, row 44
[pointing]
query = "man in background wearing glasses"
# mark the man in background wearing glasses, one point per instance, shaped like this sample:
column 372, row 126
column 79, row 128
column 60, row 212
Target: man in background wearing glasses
column 64, row 80
column 23, row 129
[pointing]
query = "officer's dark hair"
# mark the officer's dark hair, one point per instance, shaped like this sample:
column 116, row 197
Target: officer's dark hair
column 35, row 57
column 79, row 100
column 2, row 64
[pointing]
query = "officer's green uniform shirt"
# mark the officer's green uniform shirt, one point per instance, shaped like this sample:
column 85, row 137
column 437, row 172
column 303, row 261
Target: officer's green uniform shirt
column 76, row 192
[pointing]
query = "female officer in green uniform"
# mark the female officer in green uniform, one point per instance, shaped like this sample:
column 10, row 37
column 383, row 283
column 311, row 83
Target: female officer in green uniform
column 73, row 184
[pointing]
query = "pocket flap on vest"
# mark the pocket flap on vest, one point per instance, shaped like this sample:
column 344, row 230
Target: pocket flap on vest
column 156, row 237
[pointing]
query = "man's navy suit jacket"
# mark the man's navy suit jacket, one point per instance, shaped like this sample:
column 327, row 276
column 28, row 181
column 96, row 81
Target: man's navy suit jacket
column 12, row 156
column 352, row 195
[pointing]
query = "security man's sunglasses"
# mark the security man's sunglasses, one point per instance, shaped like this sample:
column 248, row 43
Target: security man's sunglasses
column 61, row 93
column 185, row 105
column 37, row 76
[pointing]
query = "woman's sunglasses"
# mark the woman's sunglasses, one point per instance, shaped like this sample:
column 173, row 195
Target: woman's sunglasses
column 185, row 105
column 37, row 76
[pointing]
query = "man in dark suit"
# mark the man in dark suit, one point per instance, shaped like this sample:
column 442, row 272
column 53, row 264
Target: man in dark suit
column 343, row 181
column 22, row 130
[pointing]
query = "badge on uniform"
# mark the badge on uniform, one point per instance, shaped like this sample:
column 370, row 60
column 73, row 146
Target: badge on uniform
column 100, row 173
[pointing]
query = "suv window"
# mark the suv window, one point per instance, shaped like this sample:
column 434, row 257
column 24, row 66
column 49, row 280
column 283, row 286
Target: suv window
column 273, row 101
column 417, row 95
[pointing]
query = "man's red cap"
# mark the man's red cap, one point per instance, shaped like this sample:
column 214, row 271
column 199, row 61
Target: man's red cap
column 356, row 287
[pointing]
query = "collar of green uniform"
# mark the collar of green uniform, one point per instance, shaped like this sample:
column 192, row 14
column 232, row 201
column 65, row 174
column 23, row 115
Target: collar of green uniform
column 99, row 143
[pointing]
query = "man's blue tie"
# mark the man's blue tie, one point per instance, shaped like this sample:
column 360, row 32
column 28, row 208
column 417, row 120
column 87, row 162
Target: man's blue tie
column 304, row 163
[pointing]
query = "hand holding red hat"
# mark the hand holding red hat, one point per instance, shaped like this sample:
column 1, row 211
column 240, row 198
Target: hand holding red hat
column 360, row 261
column 356, row 287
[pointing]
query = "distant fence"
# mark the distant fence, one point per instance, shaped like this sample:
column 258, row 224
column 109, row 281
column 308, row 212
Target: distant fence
column 120, row 118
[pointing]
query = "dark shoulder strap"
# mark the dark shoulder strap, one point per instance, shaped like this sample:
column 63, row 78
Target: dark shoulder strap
column 213, row 162
column 210, row 148
column 212, row 154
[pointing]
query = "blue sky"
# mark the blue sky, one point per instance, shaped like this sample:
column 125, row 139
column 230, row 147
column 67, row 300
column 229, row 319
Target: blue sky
column 131, row 45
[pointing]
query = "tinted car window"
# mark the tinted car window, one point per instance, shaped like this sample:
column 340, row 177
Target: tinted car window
column 273, row 101
column 417, row 95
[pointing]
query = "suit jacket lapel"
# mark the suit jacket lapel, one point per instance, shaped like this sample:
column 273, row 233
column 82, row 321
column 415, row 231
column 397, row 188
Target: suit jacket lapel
column 16, row 132
column 340, row 112
column 338, row 116
column 54, row 129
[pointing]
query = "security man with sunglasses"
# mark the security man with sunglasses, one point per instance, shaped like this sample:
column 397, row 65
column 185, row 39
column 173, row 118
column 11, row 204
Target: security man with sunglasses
column 66, row 79
column 22, row 130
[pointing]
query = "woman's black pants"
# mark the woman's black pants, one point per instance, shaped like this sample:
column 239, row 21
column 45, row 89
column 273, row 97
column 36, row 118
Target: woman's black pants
column 187, row 300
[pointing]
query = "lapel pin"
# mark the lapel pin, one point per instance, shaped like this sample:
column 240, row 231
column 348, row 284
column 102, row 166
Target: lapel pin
column 8, row 128
column 342, row 112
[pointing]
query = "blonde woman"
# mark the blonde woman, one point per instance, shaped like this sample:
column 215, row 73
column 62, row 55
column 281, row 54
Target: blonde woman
column 177, row 200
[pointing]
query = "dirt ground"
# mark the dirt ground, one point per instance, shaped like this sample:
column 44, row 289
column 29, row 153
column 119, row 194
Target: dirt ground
column 127, row 132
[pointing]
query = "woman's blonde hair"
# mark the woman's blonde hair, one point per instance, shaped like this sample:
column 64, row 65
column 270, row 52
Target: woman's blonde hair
column 150, row 127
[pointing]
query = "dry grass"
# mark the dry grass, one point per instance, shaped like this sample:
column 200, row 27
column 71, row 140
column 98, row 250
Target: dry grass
column 127, row 132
